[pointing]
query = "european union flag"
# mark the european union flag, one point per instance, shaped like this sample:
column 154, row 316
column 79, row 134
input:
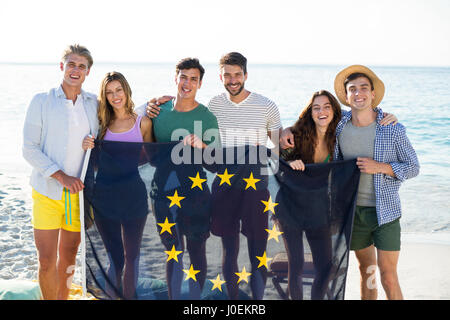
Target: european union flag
column 166, row 221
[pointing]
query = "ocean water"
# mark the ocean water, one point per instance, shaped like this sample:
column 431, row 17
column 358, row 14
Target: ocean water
column 419, row 97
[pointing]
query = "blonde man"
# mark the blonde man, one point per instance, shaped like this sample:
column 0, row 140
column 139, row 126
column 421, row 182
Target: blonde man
column 55, row 125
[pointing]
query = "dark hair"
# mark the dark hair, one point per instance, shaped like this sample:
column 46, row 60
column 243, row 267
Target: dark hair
column 190, row 63
column 357, row 75
column 234, row 58
column 305, row 134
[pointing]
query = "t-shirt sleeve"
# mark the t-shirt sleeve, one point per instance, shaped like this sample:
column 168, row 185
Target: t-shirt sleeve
column 273, row 117
column 211, row 134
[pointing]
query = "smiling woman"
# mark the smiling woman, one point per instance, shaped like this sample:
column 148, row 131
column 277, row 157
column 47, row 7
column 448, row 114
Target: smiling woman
column 314, row 130
column 314, row 137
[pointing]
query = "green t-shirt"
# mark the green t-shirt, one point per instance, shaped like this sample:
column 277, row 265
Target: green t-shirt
column 172, row 125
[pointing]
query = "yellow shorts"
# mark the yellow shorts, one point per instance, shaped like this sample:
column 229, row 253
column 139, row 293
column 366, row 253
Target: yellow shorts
column 49, row 214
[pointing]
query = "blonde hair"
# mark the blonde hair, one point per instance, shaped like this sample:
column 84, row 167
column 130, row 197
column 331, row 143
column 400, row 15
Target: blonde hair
column 105, row 110
column 79, row 50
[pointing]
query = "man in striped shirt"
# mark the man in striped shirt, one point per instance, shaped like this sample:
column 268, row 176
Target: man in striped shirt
column 244, row 118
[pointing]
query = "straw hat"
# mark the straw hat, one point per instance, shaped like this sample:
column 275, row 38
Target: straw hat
column 343, row 75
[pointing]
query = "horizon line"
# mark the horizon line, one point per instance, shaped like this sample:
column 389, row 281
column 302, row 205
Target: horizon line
column 216, row 63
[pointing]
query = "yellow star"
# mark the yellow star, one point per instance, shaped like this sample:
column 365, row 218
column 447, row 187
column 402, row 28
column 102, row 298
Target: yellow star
column 175, row 199
column 263, row 260
column 270, row 206
column 217, row 283
column 274, row 233
column 197, row 181
column 191, row 273
column 251, row 182
column 173, row 254
column 225, row 177
column 166, row 226
column 243, row 275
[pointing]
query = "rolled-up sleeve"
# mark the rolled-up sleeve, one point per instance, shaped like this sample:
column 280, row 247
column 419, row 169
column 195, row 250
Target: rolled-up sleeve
column 407, row 166
column 32, row 135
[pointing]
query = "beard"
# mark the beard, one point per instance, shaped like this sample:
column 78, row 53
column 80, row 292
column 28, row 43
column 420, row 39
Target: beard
column 239, row 90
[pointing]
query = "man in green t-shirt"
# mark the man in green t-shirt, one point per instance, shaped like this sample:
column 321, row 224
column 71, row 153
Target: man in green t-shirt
column 183, row 118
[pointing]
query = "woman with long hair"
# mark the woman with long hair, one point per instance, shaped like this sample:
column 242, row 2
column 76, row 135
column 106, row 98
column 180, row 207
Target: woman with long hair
column 314, row 131
column 314, row 137
column 121, row 225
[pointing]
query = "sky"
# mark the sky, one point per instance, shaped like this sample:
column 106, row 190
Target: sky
column 324, row 32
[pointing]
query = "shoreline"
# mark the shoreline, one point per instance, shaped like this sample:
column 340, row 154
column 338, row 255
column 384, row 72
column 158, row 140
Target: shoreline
column 439, row 238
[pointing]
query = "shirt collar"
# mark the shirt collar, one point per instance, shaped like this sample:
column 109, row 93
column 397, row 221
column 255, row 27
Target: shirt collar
column 348, row 115
column 60, row 93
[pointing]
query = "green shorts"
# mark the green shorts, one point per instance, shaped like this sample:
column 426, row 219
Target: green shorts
column 366, row 231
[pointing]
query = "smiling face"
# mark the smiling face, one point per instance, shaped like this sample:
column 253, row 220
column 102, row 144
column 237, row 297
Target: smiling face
column 322, row 111
column 75, row 69
column 233, row 78
column 360, row 94
column 188, row 82
column 115, row 94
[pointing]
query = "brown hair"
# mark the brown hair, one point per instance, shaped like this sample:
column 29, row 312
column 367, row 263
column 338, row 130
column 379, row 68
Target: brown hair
column 190, row 63
column 304, row 130
column 234, row 59
column 357, row 75
column 105, row 110
column 79, row 50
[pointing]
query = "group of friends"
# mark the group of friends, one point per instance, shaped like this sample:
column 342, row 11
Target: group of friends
column 63, row 123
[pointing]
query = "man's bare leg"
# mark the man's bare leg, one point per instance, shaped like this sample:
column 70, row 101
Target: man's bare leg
column 47, row 245
column 367, row 267
column 68, row 248
column 387, row 262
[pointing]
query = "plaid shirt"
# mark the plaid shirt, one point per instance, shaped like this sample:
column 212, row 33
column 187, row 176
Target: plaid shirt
column 391, row 146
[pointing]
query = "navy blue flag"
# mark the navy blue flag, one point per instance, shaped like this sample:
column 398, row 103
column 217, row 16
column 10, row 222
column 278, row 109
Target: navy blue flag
column 167, row 221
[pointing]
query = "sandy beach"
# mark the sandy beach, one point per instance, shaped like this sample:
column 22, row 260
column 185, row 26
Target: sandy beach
column 423, row 266
column 423, row 272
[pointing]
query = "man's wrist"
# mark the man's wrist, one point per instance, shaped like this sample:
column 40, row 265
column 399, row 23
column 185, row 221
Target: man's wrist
column 385, row 168
column 58, row 175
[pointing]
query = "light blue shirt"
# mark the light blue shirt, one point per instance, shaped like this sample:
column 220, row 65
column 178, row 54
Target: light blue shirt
column 391, row 146
column 45, row 137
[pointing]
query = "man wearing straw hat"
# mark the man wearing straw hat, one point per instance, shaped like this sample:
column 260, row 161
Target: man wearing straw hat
column 386, row 158
column 55, row 126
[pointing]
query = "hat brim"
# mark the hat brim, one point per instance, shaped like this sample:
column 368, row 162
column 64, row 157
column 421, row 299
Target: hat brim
column 339, row 88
